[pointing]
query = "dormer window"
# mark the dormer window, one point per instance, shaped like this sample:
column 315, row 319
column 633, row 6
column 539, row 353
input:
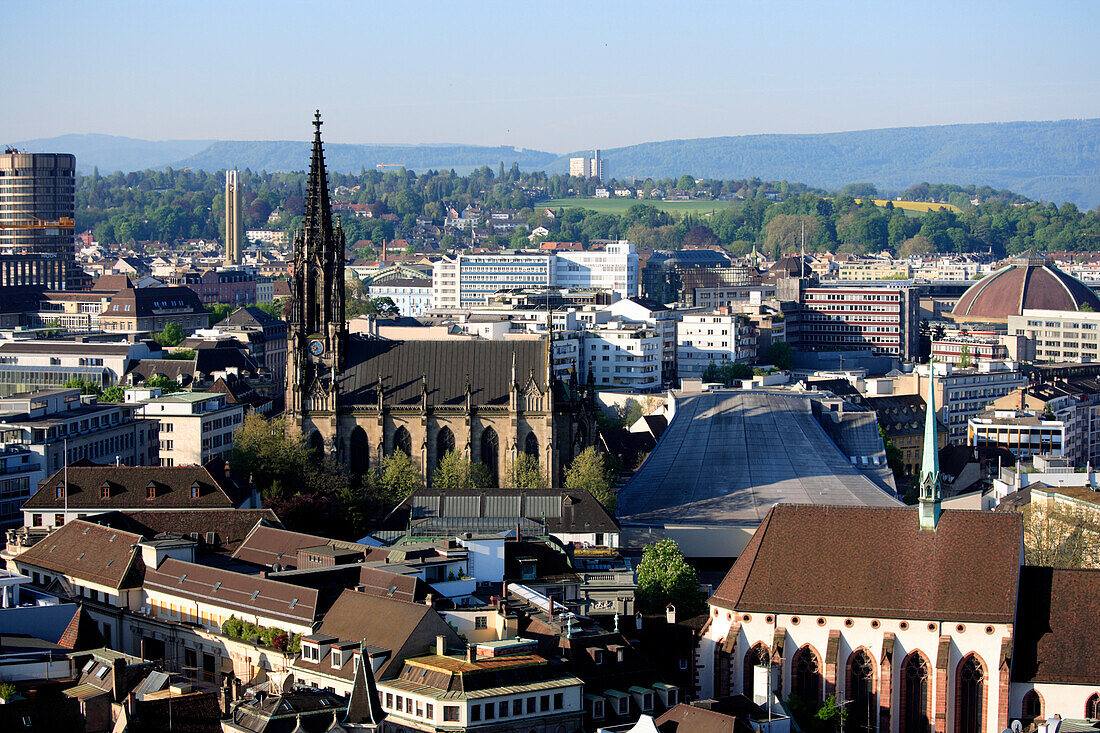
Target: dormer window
column 105, row 491
column 60, row 491
column 337, row 658
column 311, row 652
column 151, row 490
column 195, row 490
column 597, row 709
column 647, row 701
column 598, row 656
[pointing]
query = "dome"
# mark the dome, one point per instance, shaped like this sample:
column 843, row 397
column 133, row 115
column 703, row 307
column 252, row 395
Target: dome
column 1028, row 281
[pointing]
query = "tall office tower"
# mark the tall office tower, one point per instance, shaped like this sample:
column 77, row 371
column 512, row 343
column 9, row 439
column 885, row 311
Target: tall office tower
column 233, row 231
column 596, row 163
column 578, row 167
column 37, row 211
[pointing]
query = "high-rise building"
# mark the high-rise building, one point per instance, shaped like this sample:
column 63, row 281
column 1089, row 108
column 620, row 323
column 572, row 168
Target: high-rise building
column 585, row 167
column 37, row 210
column 233, row 229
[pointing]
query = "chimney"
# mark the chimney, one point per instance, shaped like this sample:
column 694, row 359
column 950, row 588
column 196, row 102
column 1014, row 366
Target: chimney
column 428, row 600
column 551, row 608
column 670, row 614
column 118, row 680
column 469, row 652
column 440, row 645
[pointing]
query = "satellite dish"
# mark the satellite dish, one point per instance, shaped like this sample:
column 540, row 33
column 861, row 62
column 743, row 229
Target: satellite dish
column 1016, row 726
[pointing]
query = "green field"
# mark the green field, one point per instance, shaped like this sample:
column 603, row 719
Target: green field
column 619, row 206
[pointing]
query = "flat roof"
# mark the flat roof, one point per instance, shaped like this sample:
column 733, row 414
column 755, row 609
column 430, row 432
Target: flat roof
column 728, row 456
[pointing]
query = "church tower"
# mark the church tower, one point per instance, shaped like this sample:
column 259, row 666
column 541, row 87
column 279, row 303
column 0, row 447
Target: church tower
column 929, row 487
column 317, row 331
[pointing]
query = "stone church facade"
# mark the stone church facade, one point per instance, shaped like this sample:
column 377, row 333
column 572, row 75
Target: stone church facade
column 360, row 399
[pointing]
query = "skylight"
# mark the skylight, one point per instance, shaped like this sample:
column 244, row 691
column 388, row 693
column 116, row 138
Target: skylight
column 254, row 594
column 217, row 585
column 294, row 603
column 183, row 577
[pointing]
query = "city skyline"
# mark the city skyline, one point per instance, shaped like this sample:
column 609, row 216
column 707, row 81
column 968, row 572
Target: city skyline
column 562, row 79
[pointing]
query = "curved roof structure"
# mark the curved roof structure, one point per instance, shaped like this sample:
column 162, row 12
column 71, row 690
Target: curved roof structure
column 727, row 457
column 1029, row 281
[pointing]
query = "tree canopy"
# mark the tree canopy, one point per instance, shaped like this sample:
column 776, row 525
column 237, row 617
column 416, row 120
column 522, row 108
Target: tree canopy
column 664, row 577
column 589, row 471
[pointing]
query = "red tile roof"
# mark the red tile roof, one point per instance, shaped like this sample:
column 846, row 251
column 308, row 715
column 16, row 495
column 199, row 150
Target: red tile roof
column 90, row 552
column 1056, row 628
column 876, row 561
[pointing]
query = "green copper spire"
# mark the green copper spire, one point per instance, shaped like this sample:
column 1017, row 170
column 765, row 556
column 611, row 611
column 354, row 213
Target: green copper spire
column 930, row 465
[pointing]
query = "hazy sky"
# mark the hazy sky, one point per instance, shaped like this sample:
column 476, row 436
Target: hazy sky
column 557, row 76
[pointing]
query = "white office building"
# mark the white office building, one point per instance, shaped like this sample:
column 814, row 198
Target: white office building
column 194, row 426
column 705, row 337
column 613, row 268
column 623, row 354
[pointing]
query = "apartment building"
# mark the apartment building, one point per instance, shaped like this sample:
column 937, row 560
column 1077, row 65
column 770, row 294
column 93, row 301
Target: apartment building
column 874, row 270
column 1057, row 335
column 660, row 317
column 614, row 268
column 1026, row 433
column 962, row 393
column 193, row 427
column 148, row 310
column 624, row 354
column 706, row 337
column 953, row 349
column 881, row 320
column 20, row 472
column 472, row 280
column 47, row 421
column 412, row 296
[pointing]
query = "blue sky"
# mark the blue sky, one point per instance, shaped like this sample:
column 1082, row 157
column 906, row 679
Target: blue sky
column 556, row 76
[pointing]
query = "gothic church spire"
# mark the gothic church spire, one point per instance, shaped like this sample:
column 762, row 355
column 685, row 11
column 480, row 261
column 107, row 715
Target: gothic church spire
column 930, row 464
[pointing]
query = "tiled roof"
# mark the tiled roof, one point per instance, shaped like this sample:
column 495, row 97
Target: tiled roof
column 690, row 719
column 1028, row 282
column 386, row 623
column 226, row 527
column 446, row 364
column 249, row 594
column 82, row 633
column 1055, row 628
column 266, row 545
column 127, row 487
column 89, row 551
column 876, row 561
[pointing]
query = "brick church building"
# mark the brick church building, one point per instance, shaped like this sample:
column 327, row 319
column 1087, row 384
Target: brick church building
column 917, row 620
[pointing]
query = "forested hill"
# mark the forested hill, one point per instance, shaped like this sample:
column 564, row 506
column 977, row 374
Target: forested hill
column 343, row 158
column 110, row 153
column 1050, row 161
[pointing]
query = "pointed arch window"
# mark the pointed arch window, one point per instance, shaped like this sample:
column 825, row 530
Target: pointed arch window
column 531, row 445
column 444, row 443
column 358, row 451
column 1092, row 707
column 863, row 708
column 402, row 441
column 755, row 656
column 490, row 452
column 969, row 695
column 915, row 675
column 1031, row 706
column 806, row 670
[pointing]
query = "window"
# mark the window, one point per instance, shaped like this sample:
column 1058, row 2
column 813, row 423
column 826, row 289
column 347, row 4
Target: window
column 1092, row 707
column 400, row 703
column 969, row 695
column 863, row 709
column 1032, row 705
column 58, row 520
column 36, row 520
column 429, row 711
column 530, row 705
column 544, row 703
column 450, row 713
column 807, row 674
column 757, row 655
column 490, row 711
column 503, row 709
column 475, row 712
column 481, row 622
column 597, row 709
column 517, row 706
column 914, row 695
column 559, row 701
column 389, row 699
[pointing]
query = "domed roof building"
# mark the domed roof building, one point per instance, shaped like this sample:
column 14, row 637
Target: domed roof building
column 1028, row 281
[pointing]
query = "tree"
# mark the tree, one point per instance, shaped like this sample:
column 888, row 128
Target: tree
column 181, row 354
column 965, row 361
column 525, row 473
column 915, row 247
column 1060, row 536
column 664, row 577
column 113, row 394
column 894, row 458
column 272, row 456
column 686, row 183
column 218, row 313
column 780, row 354
column 166, row 385
column 171, row 335
column 455, row 471
column 817, row 717
column 85, row 386
column 398, row 478
column 589, row 471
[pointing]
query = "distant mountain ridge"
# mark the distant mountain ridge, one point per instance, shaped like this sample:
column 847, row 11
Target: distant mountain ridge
column 1053, row 161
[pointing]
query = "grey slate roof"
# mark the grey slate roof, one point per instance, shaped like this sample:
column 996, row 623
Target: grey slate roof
column 727, row 457
column 445, row 364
